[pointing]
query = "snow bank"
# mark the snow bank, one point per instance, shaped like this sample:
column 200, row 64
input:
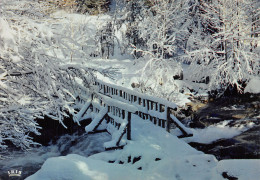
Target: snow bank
column 243, row 169
column 215, row 132
column 78, row 168
column 253, row 86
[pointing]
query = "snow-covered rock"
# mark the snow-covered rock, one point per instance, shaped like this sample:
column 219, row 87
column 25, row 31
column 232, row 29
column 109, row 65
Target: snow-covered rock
column 253, row 86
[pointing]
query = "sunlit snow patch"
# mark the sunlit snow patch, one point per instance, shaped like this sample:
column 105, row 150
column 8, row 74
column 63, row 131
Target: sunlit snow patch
column 253, row 86
column 215, row 132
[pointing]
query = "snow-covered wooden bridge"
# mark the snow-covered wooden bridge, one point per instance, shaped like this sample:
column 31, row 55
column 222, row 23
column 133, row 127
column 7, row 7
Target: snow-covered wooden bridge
column 112, row 108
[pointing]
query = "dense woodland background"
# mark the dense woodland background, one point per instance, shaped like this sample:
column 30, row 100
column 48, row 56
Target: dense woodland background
column 216, row 42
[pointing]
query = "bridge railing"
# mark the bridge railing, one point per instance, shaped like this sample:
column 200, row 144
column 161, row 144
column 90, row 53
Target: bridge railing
column 157, row 110
column 117, row 118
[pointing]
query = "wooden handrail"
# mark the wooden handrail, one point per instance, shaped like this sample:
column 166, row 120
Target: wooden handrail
column 117, row 104
column 156, row 109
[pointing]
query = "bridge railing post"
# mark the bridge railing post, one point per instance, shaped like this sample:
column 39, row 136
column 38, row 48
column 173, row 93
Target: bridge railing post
column 168, row 119
column 128, row 126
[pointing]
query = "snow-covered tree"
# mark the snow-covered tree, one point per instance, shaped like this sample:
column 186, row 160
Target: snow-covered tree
column 157, row 27
column 126, row 18
column 156, row 31
column 39, row 75
column 224, row 52
column 218, row 39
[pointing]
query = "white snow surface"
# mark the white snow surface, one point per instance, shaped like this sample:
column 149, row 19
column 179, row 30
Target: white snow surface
column 244, row 169
column 96, row 119
column 6, row 34
column 253, row 86
column 215, row 132
column 81, row 168
column 163, row 156
column 79, row 116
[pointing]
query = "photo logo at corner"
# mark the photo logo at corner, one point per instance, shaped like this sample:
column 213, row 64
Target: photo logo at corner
column 14, row 172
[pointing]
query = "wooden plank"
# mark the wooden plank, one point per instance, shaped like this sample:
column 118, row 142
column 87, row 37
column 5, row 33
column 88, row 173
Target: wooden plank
column 104, row 89
column 135, row 98
column 151, row 118
column 97, row 131
column 123, row 113
column 160, row 122
column 129, row 126
column 121, row 136
column 168, row 120
column 108, row 89
column 114, row 148
column 185, row 134
column 155, row 120
column 100, row 122
column 160, row 108
column 163, row 123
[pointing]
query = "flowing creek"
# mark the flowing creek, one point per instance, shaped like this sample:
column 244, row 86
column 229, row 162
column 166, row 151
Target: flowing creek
column 240, row 112
column 31, row 161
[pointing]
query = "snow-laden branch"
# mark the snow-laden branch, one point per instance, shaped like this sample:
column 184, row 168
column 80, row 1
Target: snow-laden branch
column 41, row 69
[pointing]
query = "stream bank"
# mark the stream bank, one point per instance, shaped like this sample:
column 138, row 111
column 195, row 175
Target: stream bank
column 239, row 110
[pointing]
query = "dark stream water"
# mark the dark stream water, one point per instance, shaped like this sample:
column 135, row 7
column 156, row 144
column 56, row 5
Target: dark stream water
column 239, row 111
column 30, row 162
